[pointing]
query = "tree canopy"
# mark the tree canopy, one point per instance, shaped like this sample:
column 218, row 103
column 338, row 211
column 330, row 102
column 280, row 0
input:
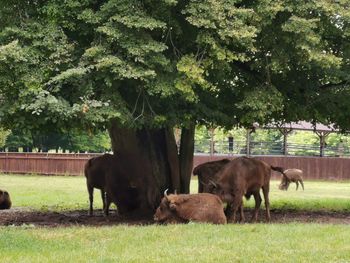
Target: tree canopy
column 82, row 63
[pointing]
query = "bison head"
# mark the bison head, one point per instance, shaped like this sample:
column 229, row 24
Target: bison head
column 224, row 191
column 283, row 186
column 166, row 212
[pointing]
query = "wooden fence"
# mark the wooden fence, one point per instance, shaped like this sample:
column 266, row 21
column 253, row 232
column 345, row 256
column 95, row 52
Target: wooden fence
column 315, row 168
column 44, row 163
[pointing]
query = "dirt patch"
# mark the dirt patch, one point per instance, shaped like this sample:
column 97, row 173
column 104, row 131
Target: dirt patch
column 24, row 216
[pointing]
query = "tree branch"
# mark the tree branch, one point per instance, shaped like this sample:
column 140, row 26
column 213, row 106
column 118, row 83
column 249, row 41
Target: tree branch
column 332, row 85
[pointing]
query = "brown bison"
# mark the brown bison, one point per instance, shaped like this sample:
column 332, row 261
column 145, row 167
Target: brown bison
column 125, row 186
column 183, row 208
column 5, row 201
column 291, row 175
column 244, row 176
column 113, row 175
column 206, row 172
column 95, row 171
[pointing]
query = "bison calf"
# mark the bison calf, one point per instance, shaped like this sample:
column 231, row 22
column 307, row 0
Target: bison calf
column 95, row 172
column 291, row 175
column 5, row 201
column 182, row 208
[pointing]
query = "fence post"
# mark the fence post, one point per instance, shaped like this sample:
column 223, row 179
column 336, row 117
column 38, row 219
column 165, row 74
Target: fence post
column 248, row 142
column 212, row 143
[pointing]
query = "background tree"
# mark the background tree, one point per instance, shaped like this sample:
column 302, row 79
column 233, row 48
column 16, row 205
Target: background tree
column 140, row 68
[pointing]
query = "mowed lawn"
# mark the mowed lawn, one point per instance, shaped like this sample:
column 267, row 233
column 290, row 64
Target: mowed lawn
column 293, row 242
column 178, row 243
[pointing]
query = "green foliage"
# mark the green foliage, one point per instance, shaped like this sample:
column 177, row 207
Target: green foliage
column 80, row 64
column 3, row 136
column 73, row 141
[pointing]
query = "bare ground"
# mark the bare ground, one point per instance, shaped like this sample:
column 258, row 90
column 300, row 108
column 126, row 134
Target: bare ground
column 25, row 216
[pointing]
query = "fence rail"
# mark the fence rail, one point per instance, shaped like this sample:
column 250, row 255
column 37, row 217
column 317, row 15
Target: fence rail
column 270, row 148
column 315, row 168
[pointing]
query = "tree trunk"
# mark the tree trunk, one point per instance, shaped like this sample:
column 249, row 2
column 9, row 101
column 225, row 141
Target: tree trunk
column 153, row 163
column 186, row 157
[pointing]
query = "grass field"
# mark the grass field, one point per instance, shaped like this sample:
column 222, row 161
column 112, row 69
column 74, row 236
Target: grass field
column 178, row 243
column 293, row 242
column 69, row 192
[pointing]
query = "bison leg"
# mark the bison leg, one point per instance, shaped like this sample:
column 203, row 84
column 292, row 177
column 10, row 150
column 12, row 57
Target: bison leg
column 228, row 210
column 287, row 186
column 103, row 196
column 91, row 198
column 258, row 200
column 107, row 203
column 237, row 204
column 200, row 186
column 266, row 189
column 296, row 182
column 302, row 184
column 241, row 212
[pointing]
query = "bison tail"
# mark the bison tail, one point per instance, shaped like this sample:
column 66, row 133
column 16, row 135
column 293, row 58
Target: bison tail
column 277, row 169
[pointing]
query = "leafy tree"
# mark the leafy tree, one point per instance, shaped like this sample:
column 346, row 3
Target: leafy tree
column 140, row 68
column 3, row 136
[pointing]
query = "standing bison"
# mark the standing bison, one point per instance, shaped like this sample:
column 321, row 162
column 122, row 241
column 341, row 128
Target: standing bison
column 182, row 208
column 95, row 171
column 206, row 172
column 5, row 201
column 244, row 176
column 117, row 184
column 291, row 175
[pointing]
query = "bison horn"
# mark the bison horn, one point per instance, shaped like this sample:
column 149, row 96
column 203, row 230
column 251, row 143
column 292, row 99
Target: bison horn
column 165, row 194
column 175, row 192
column 212, row 183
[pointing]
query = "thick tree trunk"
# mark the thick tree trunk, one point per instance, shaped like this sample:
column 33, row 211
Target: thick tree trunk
column 153, row 162
column 186, row 157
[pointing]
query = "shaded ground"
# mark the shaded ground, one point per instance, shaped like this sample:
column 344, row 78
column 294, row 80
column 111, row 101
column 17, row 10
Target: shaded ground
column 24, row 216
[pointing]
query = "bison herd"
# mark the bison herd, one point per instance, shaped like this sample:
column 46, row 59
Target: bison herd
column 224, row 181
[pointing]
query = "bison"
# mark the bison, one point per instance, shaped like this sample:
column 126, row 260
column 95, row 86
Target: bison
column 5, row 201
column 291, row 175
column 183, row 208
column 206, row 172
column 244, row 176
column 96, row 170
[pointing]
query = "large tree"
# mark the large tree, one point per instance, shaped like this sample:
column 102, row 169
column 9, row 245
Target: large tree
column 141, row 68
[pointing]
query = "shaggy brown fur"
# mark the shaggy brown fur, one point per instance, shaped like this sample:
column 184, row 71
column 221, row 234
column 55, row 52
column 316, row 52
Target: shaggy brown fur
column 244, row 176
column 206, row 172
column 95, row 172
column 291, row 175
column 183, row 208
column 5, row 200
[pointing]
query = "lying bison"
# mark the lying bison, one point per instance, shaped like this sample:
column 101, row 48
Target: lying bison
column 244, row 176
column 96, row 170
column 206, row 172
column 182, row 208
column 291, row 175
column 5, row 201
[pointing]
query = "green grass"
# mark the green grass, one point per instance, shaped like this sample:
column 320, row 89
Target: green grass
column 292, row 242
column 178, row 243
column 69, row 192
